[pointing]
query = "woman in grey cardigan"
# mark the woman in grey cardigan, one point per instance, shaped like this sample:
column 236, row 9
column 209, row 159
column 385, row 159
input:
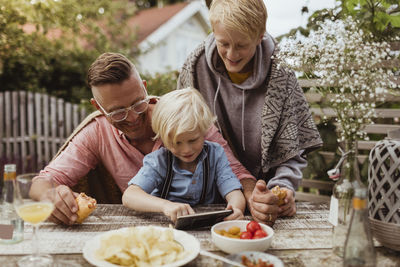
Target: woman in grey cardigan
column 261, row 109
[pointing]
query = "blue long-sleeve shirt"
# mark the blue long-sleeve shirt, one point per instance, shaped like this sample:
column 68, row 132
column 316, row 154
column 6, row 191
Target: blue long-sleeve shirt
column 186, row 186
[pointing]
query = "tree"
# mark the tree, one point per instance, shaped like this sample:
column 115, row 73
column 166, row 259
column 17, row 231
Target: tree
column 48, row 45
column 381, row 18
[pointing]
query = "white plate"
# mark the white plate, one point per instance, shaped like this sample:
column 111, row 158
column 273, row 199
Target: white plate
column 255, row 255
column 188, row 242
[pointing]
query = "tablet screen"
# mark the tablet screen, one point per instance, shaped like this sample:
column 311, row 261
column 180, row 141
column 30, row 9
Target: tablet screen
column 201, row 219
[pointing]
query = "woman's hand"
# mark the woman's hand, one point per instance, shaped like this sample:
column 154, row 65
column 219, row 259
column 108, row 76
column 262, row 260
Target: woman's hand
column 173, row 210
column 263, row 204
column 289, row 208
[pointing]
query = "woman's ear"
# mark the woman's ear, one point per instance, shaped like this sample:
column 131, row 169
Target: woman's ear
column 260, row 39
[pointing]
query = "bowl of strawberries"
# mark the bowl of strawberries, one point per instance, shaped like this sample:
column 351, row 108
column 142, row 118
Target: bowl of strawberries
column 241, row 235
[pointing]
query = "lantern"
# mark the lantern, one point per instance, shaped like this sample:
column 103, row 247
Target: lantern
column 384, row 190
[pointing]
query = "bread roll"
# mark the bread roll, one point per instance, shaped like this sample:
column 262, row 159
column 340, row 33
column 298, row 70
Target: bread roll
column 280, row 193
column 86, row 205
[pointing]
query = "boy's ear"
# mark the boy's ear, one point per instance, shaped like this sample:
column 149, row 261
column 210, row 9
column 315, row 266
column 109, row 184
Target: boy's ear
column 145, row 83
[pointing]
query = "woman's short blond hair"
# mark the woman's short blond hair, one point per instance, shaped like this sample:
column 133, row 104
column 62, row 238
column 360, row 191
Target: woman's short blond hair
column 247, row 16
column 178, row 112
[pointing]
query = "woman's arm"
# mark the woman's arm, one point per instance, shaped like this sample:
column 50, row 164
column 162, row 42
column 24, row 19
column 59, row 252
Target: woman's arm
column 289, row 173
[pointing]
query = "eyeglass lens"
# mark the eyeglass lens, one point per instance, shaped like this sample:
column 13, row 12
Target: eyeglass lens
column 138, row 108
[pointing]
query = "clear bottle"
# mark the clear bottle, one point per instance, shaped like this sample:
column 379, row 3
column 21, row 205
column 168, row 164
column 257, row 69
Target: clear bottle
column 11, row 225
column 359, row 248
column 343, row 192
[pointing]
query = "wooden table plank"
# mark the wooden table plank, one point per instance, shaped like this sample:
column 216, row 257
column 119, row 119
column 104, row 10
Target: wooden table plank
column 302, row 240
column 291, row 258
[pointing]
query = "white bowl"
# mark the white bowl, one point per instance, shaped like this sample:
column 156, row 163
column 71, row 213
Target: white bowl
column 255, row 256
column 234, row 245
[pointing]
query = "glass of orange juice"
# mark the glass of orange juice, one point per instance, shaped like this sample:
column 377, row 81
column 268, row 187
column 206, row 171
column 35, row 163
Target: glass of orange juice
column 33, row 212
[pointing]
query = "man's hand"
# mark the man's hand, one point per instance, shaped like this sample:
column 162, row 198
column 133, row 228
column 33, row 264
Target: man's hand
column 173, row 210
column 263, row 204
column 289, row 208
column 65, row 205
column 61, row 195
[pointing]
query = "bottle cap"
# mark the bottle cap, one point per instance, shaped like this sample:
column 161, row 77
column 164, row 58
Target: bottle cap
column 10, row 168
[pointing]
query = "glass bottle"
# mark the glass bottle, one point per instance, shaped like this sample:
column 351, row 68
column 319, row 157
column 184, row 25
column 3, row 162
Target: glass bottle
column 342, row 194
column 11, row 225
column 359, row 248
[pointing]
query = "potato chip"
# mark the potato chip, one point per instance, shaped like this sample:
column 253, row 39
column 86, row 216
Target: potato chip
column 142, row 247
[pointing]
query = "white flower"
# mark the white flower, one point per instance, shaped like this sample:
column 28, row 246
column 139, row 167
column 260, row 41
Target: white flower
column 339, row 56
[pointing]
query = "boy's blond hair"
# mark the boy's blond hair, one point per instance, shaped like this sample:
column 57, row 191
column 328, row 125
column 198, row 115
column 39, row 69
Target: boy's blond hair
column 178, row 112
column 247, row 16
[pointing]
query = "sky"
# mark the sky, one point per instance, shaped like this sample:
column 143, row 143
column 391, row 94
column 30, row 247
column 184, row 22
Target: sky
column 284, row 15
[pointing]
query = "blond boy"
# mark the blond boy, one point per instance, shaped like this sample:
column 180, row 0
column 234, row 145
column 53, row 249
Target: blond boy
column 175, row 178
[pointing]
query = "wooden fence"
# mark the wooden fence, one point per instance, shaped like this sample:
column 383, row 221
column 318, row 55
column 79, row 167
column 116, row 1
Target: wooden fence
column 32, row 128
column 388, row 119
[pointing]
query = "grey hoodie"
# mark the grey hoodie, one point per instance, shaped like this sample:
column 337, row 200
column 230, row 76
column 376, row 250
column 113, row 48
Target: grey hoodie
column 250, row 118
column 243, row 116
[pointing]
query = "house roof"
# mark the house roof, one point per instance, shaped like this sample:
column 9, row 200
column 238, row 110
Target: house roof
column 154, row 24
column 148, row 20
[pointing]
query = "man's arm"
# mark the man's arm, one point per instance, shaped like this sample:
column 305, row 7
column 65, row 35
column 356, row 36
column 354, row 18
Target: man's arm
column 70, row 165
column 248, row 187
column 238, row 169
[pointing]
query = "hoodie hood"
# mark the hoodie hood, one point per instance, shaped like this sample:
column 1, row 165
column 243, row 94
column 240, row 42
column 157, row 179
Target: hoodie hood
column 261, row 62
column 238, row 106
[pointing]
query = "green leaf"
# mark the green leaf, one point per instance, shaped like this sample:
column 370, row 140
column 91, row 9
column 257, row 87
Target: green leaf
column 395, row 21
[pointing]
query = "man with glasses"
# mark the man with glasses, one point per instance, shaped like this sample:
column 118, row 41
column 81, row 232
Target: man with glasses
column 119, row 138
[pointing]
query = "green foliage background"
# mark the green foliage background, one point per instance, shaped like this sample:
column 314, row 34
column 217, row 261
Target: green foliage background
column 36, row 61
column 381, row 18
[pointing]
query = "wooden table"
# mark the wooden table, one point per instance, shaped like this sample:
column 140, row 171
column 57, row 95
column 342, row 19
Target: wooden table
column 302, row 240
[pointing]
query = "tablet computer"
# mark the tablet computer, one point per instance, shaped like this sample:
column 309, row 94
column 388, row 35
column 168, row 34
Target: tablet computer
column 201, row 219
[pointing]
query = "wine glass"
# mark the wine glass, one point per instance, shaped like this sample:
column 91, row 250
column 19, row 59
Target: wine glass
column 33, row 212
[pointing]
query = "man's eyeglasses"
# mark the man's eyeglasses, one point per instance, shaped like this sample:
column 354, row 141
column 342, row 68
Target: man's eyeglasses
column 121, row 114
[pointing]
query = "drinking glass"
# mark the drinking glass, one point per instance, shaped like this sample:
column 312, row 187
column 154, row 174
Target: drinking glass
column 33, row 212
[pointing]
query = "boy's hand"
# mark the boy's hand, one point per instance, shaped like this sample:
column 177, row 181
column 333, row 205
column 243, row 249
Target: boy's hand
column 289, row 208
column 236, row 215
column 173, row 210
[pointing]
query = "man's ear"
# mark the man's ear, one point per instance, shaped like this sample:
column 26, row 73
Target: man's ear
column 145, row 84
column 94, row 104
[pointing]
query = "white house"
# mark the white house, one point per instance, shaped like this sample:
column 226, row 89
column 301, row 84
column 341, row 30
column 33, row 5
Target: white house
column 167, row 35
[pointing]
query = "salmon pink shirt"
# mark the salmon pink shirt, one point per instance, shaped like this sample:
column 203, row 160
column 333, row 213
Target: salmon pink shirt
column 100, row 141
